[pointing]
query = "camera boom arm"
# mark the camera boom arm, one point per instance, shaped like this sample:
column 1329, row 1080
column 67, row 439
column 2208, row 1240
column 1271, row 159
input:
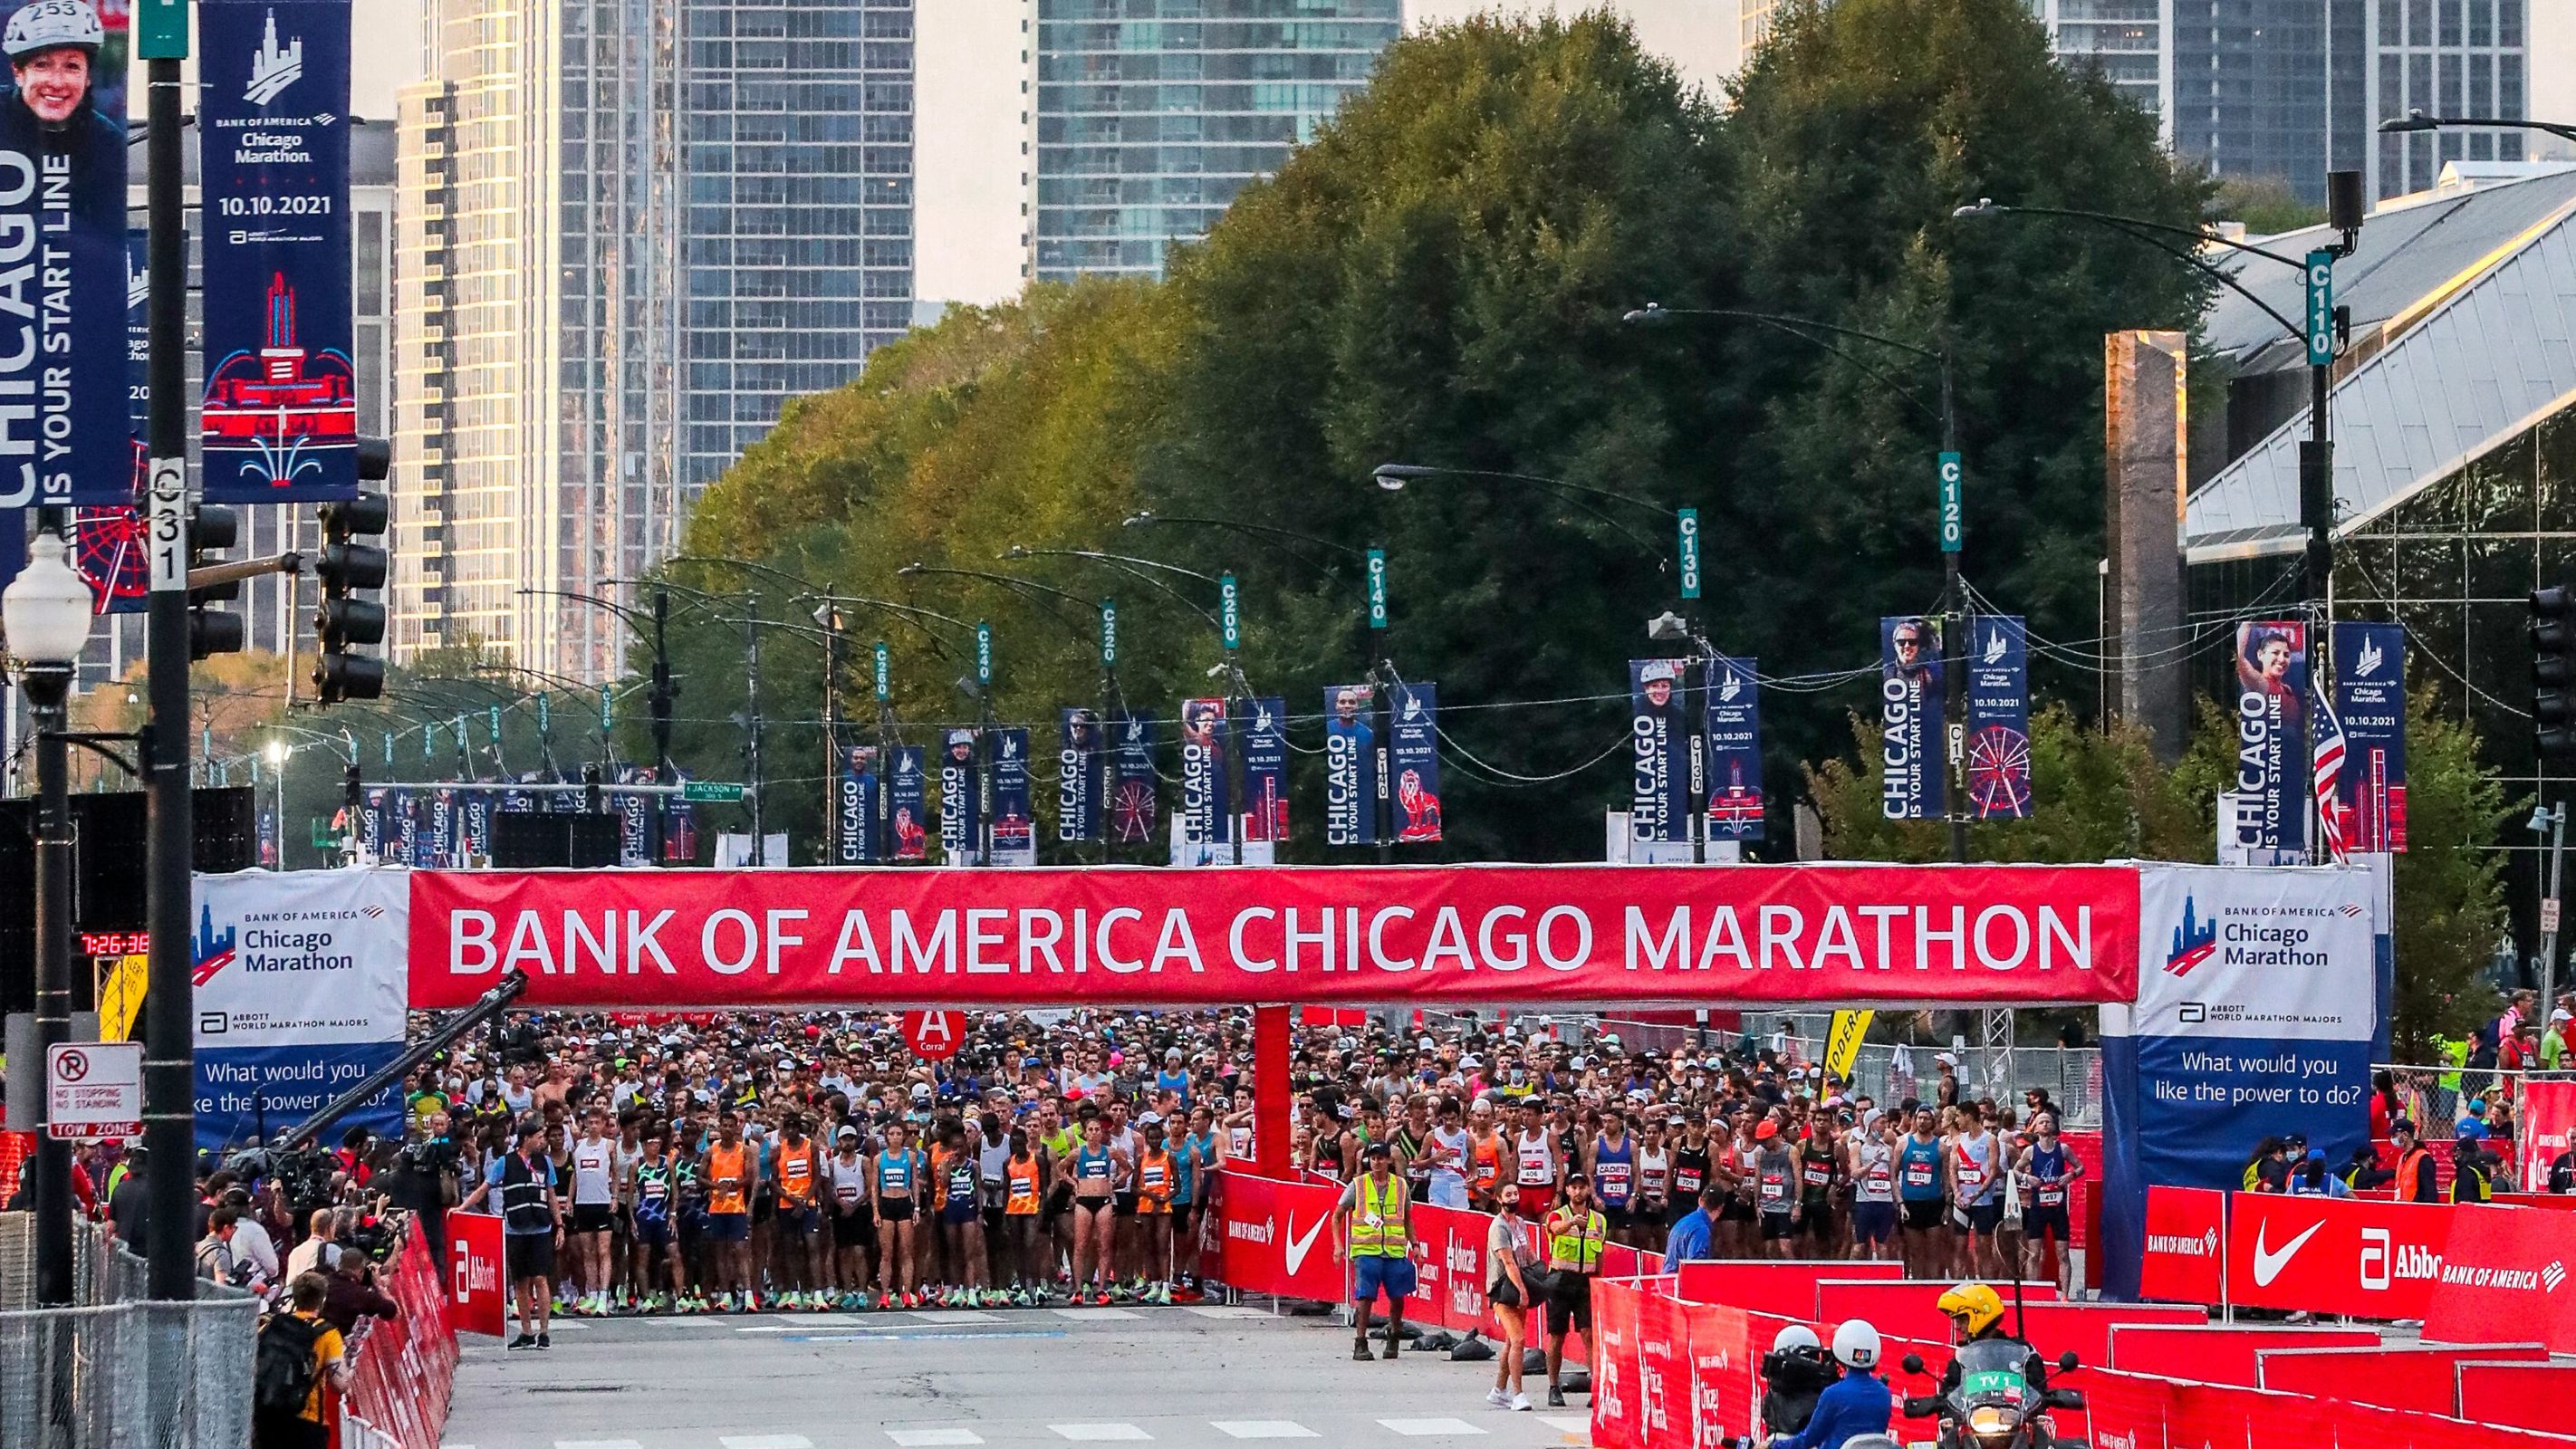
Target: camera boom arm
column 491, row 1004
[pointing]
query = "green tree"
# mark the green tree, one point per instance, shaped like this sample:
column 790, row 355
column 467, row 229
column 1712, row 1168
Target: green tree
column 2264, row 204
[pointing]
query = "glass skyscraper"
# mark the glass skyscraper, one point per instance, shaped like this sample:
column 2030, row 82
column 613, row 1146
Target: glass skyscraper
column 1152, row 114
column 630, row 231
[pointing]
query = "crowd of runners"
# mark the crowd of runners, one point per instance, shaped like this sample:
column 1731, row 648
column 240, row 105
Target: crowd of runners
column 780, row 1162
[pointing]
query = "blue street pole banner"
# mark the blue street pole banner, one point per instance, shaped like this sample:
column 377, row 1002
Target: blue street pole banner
column 1998, row 667
column 1909, row 719
column 634, row 836
column 907, row 829
column 2257, row 1024
column 1134, row 793
column 1079, row 771
column 2272, row 735
column 1413, row 760
column 1735, row 749
column 108, row 539
column 402, row 828
column 279, row 422
column 64, row 438
column 478, row 824
column 2370, row 694
column 961, row 820
column 1204, row 807
column 1015, row 829
column 441, row 843
column 1265, row 770
column 679, row 825
column 301, row 992
column 1658, row 735
column 371, row 823
column 1350, row 765
column 854, row 807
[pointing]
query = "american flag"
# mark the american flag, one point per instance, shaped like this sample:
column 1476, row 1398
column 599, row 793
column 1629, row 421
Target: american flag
column 2328, row 766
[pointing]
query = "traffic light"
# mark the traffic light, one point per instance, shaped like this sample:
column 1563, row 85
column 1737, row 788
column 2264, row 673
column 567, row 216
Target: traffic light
column 345, row 566
column 2553, row 673
column 213, row 528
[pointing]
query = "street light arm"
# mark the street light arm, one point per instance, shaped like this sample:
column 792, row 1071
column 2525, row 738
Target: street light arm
column 2416, row 120
column 2204, row 236
column 1120, row 562
column 1393, row 476
column 631, row 616
column 1656, row 312
column 2297, row 333
column 1256, row 530
column 1040, row 593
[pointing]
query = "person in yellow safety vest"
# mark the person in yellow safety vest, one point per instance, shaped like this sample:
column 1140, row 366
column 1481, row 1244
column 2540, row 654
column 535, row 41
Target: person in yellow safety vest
column 1370, row 1225
column 1574, row 1235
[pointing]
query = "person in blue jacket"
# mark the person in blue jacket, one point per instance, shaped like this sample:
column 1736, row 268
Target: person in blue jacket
column 1857, row 1403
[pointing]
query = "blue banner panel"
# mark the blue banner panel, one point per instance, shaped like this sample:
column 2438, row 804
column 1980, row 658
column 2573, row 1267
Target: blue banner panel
column 854, row 807
column 1350, row 765
column 1080, row 742
column 242, row 1091
column 1658, row 733
column 2370, row 694
column 1912, row 786
column 1413, row 760
column 909, row 828
column 1133, row 797
column 476, row 825
column 961, row 820
column 280, row 417
column 1205, row 816
column 64, row 439
column 1735, row 749
column 2272, row 735
column 1999, row 718
column 1265, row 770
column 371, row 823
column 1015, row 830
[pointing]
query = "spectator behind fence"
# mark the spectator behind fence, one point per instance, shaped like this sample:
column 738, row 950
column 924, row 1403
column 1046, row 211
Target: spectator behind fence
column 320, row 1250
column 299, row 1353
column 352, row 1294
column 215, row 1261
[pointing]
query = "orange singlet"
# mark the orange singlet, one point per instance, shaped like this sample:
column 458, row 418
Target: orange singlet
column 1023, row 1199
column 728, row 1170
column 796, row 1174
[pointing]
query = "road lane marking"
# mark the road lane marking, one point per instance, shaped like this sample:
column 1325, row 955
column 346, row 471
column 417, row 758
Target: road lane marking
column 1079, row 1314
column 1264, row 1429
column 765, row 1441
column 1100, row 1433
column 933, row 1438
column 1225, row 1310
column 1430, row 1428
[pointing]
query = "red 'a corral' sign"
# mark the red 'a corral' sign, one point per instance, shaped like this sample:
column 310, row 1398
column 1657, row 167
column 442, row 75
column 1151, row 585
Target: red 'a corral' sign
column 1835, row 933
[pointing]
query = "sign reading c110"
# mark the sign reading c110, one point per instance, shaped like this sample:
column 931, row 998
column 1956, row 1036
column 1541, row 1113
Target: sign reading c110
column 1286, row 934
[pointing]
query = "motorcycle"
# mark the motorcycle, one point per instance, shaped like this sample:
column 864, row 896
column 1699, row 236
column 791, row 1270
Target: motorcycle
column 1995, row 1406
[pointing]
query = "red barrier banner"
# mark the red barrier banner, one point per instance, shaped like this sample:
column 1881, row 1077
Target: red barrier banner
column 1739, row 933
column 1278, row 1238
column 2186, row 1257
column 2521, row 1395
column 1618, row 1417
column 2127, row 1412
column 2547, row 1119
column 481, row 1296
column 2335, row 1255
column 403, row 1367
column 1771, row 1285
column 2216, row 1353
column 1663, row 1369
column 1722, row 1363
column 2504, row 1280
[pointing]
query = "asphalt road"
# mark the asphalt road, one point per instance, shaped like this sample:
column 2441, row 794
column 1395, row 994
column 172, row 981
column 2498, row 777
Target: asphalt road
column 1189, row 1377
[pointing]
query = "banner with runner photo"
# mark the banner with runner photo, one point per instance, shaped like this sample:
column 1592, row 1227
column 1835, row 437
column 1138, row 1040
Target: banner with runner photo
column 279, row 421
column 1350, row 765
column 1205, row 813
column 908, row 822
column 1659, row 732
column 1912, row 783
column 1015, row 829
column 1134, row 788
column 961, row 801
column 1413, row 759
column 1998, row 667
column 300, row 995
column 1081, row 754
column 2272, row 737
column 65, row 440
column 854, row 807
column 2370, row 696
column 1265, row 770
column 1735, row 750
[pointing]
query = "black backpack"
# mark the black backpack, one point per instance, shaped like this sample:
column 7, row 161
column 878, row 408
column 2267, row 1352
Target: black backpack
column 282, row 1375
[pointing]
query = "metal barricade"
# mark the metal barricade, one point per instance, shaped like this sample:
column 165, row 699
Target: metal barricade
column 114, row 1371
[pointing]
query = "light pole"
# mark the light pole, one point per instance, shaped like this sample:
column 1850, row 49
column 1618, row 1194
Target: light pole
column 46, row 612
column 2551, row 821
column 2320, row 334
column 1957, row 622
column 278, row 753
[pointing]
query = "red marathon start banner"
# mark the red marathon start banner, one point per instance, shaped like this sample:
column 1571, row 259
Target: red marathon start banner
column 1743, row 933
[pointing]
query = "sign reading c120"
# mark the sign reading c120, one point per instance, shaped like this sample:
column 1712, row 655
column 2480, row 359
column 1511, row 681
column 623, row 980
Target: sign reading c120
column 1479, row 933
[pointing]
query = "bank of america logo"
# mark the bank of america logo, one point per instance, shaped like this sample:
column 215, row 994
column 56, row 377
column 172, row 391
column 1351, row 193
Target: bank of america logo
column 2553, row 1275
column 274, row 67
column 2194, row 941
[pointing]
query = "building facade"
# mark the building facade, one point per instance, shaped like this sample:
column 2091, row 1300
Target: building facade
column 629, row 234
column 1150, row 115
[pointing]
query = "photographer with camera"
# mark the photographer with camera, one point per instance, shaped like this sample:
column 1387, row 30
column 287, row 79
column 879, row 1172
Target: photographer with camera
column 425, row 1179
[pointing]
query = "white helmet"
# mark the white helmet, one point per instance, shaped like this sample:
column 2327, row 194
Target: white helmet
column 1796, row 1335
column 48, row 24
column 1856, row 1344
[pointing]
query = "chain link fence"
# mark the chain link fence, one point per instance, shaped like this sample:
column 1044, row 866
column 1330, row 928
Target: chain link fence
column 114, row 1371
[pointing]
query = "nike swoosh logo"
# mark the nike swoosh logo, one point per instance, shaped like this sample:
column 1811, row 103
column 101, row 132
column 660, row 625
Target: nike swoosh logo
column 2268, row 1264
column 1297, row 1246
